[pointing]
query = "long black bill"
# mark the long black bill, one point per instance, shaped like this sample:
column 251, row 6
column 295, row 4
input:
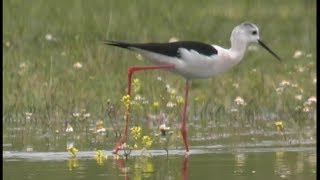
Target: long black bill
column 268, row 49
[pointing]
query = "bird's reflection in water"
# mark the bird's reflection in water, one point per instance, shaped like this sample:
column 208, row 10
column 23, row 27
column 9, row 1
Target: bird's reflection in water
column 185, row 168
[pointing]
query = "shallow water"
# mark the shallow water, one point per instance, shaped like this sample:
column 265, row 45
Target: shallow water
column 245, row 154
column 211, row 162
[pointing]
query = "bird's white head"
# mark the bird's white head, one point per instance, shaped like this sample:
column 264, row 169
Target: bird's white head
column 245, row 34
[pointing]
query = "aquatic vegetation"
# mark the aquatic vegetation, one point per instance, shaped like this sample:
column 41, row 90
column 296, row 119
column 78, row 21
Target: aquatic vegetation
column 100, row 157
column 136, row 141
column 72, row 151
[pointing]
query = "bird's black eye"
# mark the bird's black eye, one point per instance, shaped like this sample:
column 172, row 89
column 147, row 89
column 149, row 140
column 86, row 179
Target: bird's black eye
column 254, row 32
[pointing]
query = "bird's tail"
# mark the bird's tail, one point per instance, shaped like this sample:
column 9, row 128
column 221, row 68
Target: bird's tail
column 117, row 43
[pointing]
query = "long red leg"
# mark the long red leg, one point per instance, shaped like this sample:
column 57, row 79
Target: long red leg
column 130, row 73
column 184, row 118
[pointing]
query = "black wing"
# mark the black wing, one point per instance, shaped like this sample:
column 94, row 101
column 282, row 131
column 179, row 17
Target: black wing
column 168, row 49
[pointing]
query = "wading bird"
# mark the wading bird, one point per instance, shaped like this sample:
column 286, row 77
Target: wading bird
column 192, row 60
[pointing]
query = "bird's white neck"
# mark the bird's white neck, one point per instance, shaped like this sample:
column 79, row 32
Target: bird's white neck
column 237, row 50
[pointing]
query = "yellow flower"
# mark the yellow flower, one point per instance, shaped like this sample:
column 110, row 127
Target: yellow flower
column 72, row 150
column 136, row 132
column 136, row 84
column 173, row 93
column 279, row 125
column 180, row 99
column 146, row 141
column 100, row 154
column 156, row 104
column 126, row 100
column 100, row 157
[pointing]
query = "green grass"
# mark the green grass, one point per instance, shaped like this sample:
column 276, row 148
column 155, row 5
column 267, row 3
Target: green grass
column 39, row 77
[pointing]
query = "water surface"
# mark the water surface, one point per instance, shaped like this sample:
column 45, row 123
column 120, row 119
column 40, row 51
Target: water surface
column 204, row 163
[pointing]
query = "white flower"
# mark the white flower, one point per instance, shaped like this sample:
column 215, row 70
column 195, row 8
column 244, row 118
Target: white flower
column 173, row 39
column 284, row 83
column 49, row 37
column 101, row 130
column 164, row 127
column 279, row 90
column 306, row 109
column 312, row 99
column 171, row 104
column 86, row 115
column 297, row 54
column 28, row 114
column 76, row 114
column 69, row 128
column 77, row 65
column 298, row 97
column 138, row 97
column 300, row 69
column 8, row 44
column 23, row 65
column 236, row 85
column 168, row 88
column 239, row 101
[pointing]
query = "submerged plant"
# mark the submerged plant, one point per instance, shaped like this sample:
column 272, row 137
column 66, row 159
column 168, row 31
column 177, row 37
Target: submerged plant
column 72, row 163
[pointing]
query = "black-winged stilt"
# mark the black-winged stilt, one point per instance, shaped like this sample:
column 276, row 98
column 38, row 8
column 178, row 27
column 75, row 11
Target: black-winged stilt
column 192, row 60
